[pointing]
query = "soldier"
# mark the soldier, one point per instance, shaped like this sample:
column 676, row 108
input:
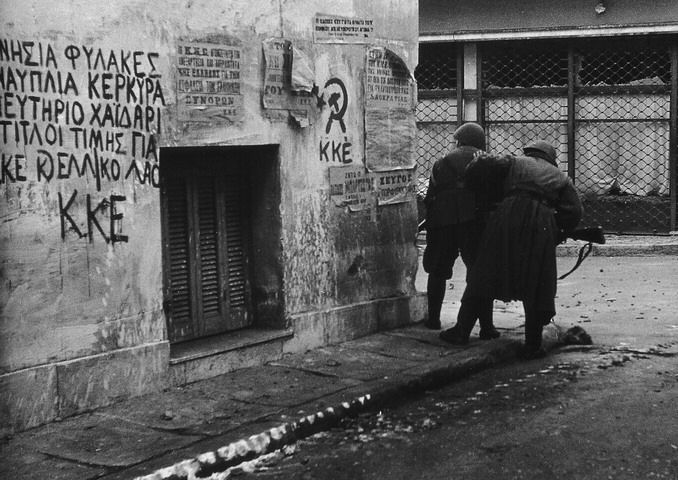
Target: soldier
column 452, row 225
column 517, row 258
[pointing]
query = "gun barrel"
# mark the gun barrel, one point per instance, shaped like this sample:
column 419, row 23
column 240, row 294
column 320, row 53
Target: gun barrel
column 589, row 234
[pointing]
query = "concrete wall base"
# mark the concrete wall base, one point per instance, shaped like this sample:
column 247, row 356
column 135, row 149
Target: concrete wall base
column 248, row 355
column 28, row 398
column 39, row 395
column 311, row 330
column 315, row 329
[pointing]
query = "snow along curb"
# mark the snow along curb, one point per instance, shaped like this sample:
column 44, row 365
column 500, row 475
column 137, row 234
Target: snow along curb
column 247, row 449
column 417, row 379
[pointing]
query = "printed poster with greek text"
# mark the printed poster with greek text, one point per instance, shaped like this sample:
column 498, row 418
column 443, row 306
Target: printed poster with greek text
column 390, row 129
column 337, row 29
column 288, row 79
column 394, row 187
column 209, row 82
column 351, row 186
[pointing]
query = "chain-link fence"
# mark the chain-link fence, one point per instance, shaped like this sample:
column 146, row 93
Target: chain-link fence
column 437, row 110
column 622, row 124
column 525, row 97
column 606, row 107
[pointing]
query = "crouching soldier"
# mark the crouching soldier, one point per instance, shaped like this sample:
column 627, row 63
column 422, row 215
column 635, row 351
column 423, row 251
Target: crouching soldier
column 517, row 257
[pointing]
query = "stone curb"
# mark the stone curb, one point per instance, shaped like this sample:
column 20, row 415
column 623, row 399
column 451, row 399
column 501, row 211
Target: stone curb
column 634, row 248
column 421, row 378
column 631, row 250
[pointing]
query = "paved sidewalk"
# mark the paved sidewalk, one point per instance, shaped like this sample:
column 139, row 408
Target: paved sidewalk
column 235, row 416
column 138, row 436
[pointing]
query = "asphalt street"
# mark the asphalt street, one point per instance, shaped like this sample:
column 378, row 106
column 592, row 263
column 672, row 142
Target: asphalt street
column 604, row 411
column 598, row 414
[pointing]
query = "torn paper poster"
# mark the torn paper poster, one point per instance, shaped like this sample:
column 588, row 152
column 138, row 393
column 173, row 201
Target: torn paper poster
column 278, row 92
column 390, row 139
column 351, row 186
column 302, row 73
column 300, row 118
column 389, row 83
column 390, row 128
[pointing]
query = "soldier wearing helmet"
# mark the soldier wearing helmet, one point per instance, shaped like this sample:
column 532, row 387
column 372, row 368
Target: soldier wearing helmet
column 517, row 257
column 453, row 227
column 470, row 134
column 541, row 149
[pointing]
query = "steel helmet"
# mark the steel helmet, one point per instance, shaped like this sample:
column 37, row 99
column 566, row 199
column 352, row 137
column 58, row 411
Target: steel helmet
column 543, row 150
column 470, row 134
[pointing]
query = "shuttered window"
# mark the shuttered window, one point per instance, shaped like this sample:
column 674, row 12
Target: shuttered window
column 206, row 247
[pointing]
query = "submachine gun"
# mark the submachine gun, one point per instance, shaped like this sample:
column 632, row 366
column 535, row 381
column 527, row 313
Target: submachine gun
column 590, row 235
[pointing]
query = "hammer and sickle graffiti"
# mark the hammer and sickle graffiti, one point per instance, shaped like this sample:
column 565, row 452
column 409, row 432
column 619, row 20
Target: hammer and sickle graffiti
column 338, row 102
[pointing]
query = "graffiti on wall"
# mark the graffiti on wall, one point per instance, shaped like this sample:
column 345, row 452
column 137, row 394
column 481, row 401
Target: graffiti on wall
column 336, row 145
column 80, row 112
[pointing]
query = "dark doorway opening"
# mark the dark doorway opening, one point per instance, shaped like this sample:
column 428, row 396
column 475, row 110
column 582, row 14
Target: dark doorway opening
column 215, row 202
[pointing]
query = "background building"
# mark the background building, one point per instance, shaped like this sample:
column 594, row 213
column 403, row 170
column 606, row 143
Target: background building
column 596, row 78
column 191, row 187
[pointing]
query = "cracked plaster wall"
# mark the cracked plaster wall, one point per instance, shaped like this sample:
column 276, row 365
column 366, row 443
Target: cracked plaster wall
column 71, row 285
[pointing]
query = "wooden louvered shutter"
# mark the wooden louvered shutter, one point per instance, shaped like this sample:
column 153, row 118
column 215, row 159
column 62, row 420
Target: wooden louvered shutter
column 207, row 285
column 211, row 308
column 235, row 203
column 179, row 253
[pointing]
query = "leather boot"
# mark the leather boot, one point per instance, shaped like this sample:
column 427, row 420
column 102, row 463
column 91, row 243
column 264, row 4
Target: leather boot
column 468, row 314
column 466, row 319
column 454, row 335
column 534, row 325
column 435, row 291
column 487, row 330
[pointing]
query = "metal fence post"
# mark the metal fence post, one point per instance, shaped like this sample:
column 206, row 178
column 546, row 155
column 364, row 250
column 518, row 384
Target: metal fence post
column 672, row 132
column 480, row 107
column 460, row 86
column 571, row 80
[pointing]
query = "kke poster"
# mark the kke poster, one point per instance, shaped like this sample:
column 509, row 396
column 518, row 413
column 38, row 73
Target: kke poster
column 209, row 82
